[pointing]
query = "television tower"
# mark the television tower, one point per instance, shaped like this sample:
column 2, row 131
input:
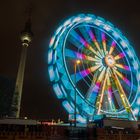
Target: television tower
column 26, row 38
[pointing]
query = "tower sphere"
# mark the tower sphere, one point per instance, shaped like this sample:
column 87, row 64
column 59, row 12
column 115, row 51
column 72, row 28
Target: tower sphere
column 26, row 34
column 26, row 38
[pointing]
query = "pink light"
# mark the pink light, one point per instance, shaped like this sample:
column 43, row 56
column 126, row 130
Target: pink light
column 110, row 91
column 113, row 44
column 126, row 80
column 85, row 72
column 82, row 41
column 103, row 37
column 126, row 68
column 96, row 87
column 98, row 84
column 80, row 56
column 51, row 41
column 92, row 35
column 86, row 44
column 121, row 55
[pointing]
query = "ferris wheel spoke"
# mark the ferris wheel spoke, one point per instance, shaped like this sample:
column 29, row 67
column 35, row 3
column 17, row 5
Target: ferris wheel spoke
column 122, row 77
column 85, row 34
column 101, row 93
column 124, row 99
column 82, row 74
column 122, row 66
column 104, row 42
column 110, row 96
column 77, row 55
column 94, row 88
column 84, row 44
column 113, row 45
column 119, row 56
column 73, row 40
column 93, row 38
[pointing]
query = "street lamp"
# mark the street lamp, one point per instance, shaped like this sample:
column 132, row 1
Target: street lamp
column 77, row 62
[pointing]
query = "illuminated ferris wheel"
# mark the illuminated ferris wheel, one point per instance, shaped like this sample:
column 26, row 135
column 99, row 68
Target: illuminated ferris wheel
column 106, row 79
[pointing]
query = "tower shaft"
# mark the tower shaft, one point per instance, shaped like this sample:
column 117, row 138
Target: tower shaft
column 16, row 103
column 26, row 38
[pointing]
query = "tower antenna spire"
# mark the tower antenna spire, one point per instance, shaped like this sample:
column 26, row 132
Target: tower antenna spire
column 26, row 38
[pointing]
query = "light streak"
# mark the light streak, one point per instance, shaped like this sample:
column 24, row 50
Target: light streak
column 113, row 45
column 124, row 99
column 100, row 96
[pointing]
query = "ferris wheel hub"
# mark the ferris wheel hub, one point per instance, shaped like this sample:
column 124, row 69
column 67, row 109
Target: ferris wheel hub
column 109, row 60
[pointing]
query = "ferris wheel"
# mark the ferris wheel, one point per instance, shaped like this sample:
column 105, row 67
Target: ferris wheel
column 90, row 58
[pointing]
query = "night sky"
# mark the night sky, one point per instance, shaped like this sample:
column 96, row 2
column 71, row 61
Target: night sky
column 39, row 100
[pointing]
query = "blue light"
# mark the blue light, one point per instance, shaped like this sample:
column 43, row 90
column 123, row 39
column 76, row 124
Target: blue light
column 66, row 82
column 56, row 75
column 58, row 91
column 55, row 57
column 98, row 22
column 130, row 53
column 63, row 91
column 77, row 19
column 50, row 58
column 68, row 107
column 67, row 23
column 124, row 44
column 51, row 73
column 59, row 29
column 81, row 119
column 135, row 65
column 116, row 35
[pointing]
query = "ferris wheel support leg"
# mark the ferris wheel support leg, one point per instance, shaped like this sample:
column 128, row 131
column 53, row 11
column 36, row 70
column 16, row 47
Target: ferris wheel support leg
column 100, row 100
column 124, row 99
column 110, row 99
